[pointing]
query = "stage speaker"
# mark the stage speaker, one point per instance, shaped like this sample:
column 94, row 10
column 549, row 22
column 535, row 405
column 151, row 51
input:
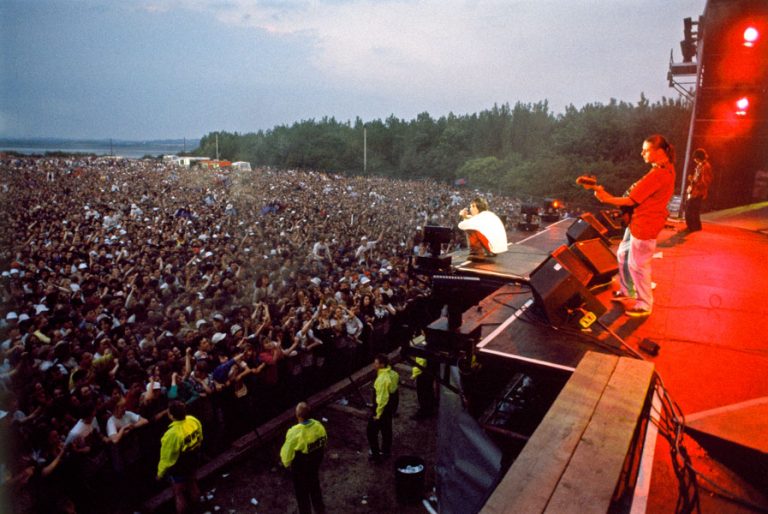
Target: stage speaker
column 599, row 258
column 586, row 227
column 612, row 220
column 561, row 298
column 573, row 263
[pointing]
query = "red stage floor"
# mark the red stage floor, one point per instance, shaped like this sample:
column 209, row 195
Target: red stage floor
column 710, row 319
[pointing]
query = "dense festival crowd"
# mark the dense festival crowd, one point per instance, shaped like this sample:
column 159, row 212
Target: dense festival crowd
column 130, row 283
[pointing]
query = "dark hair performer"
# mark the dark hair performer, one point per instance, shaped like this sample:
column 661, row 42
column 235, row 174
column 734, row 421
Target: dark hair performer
column 698, row 186
column 180, row 456
column 485, row 231
column 649, row 197
column 303, row 452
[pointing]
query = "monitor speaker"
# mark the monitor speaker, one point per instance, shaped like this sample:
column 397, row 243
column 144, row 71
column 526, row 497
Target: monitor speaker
column 586, row 227
column 599, row 258
column 561, row 298
column 573, row 263
column 612, row 220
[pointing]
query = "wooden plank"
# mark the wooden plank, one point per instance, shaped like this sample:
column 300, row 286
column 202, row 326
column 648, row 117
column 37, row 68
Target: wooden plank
column 531, row 481
column 588, row 483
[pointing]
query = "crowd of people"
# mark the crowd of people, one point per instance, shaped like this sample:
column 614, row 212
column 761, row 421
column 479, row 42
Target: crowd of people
column 128, row 284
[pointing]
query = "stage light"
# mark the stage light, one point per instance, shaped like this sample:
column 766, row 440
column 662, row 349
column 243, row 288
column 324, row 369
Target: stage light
column 742, row 104
column 751, row 35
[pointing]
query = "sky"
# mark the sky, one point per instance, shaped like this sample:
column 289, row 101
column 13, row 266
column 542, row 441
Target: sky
column 157, row 69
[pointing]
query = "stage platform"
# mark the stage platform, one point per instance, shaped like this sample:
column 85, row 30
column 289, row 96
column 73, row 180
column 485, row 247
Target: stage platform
column 522, row 257
column 710, row 320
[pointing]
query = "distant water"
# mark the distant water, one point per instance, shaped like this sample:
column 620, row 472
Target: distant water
column 129, row 149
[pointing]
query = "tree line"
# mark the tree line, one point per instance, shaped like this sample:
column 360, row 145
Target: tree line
column 523, row 150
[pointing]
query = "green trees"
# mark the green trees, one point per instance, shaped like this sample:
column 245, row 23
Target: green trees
column 524, row 150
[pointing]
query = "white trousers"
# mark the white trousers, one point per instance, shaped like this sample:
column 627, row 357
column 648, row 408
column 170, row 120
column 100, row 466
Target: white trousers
column 635, row 257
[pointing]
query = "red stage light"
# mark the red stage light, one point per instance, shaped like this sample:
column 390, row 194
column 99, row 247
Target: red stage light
column 751, row 35
column 742, row 104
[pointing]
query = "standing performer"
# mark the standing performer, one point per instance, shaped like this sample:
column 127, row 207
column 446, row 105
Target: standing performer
column 386, row 398
column 485, row 231
column 180, row 456
column 649, row 197
column 303, row 452
column 698, row 186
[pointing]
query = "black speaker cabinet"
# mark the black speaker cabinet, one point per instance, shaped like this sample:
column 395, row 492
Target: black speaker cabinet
column 599, row 258
column 613, row 221
column 560, row 296
column 573, row 263
column 586, row 227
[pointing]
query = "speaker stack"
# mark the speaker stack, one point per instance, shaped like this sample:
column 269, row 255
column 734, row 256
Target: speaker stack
column 561, row 297
column 562, row 284
column 613, row 221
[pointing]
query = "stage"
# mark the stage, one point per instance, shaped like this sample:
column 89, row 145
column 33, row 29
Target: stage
column 710, row 321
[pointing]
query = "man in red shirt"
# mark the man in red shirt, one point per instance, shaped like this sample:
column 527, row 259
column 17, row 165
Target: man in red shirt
column 698, row 186
column 648, row 197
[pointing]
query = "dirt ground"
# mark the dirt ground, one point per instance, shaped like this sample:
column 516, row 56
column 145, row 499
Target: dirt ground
column 350, row 482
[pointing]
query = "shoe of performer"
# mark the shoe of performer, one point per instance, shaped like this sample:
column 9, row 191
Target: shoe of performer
column 477, row 257
column 637, row 312
column 618, row 296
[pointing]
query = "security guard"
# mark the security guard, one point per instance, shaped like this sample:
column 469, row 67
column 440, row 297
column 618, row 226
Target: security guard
column 425, row 387
column 303, row 452
column 386, row 399
column 180, row 456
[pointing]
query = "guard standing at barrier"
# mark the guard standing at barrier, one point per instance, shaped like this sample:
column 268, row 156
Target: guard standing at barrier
column 180, row 456
column 425, row 387
column 303, row 452
column 386, row 398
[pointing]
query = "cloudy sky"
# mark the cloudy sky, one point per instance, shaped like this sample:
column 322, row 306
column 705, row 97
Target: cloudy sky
column 145, row 69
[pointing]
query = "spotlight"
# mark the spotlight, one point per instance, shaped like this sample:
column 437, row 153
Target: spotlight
column 751, row 35
column 742, row 104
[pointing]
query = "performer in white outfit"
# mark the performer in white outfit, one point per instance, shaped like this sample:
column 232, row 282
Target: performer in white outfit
column 485, row 231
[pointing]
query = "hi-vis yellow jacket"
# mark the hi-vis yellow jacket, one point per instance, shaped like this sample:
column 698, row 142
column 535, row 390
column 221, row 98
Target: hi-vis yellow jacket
column 305, row 437
column 385, row 385
column 181, row 437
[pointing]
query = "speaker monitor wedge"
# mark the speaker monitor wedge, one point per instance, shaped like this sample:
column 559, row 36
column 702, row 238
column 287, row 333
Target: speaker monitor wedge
column 586, row 227
column 599, row 258
column 573, row 263
column 559, row 295
column 611, row 219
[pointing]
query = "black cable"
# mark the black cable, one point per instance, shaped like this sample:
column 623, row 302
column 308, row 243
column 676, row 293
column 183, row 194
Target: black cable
column 621, row 341
column 530, row 316
column 671, row 427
